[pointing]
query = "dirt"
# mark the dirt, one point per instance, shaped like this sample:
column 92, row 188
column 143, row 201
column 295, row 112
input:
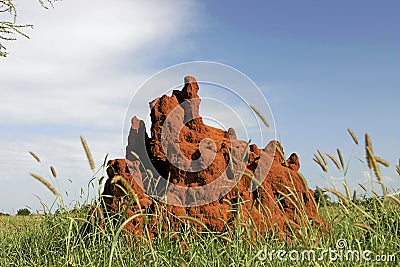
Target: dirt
column 192, row 169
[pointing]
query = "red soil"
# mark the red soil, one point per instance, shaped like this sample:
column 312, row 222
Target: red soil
column 200, row 162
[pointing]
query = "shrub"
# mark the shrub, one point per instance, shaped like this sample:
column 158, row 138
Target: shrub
column 23, row 212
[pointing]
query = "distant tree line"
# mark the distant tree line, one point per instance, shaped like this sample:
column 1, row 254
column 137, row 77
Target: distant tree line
column 23, row 212
column 20, row 212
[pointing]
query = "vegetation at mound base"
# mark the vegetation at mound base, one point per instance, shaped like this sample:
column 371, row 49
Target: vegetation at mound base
column 364, row 231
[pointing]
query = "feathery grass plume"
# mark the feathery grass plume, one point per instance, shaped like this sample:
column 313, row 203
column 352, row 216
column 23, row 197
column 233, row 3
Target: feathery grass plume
column 375, row 167
column 334, row 161
column 53, row 171
column 264, row 120
column 322, row 157
column 394, row 199
column 363, row 187
column 320, row 163
column 338, row 194
column 374, row 193
column 321, row 194
column 352, row 135
column 128, row 188
column 105, row 160
column 354, row 196
column 124, row 183
column 368, row 144
column 363, row 226
column 135, row 154
column 88, row 154
column 346, row 187
column 377, row 171
column 45, row 183
column 35, row 156
column 340, row 157
column 382, row 161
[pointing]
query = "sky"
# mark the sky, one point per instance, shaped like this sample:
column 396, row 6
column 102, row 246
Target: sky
column 323, row 67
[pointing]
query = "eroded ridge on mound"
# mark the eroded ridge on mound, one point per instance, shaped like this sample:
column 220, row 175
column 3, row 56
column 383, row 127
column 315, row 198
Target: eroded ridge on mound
column 207, row 173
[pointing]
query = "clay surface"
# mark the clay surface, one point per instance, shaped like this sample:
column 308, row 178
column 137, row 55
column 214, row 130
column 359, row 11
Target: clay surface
column 207, row 173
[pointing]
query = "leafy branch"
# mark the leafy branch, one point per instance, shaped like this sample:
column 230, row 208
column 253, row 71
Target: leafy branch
column 10, row 29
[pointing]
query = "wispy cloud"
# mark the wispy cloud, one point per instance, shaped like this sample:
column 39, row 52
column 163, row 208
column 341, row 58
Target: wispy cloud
column 76, row 76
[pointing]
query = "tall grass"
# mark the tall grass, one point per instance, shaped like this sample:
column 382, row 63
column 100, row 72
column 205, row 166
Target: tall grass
column 90, row 236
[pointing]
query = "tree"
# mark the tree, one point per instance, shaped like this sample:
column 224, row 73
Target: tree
column 23, row 212
column 9, row 28
column 319, row 198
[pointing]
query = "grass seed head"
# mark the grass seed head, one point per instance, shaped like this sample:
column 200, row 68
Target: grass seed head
column 375, row 167
column 320, row 163
column 346, row 187
column 105, row 160
column 340, row 157
column 53, row 171
column 36, row 157
column 354, row 196
column 88, row 153
column 322, row 157
column 394, row 199
column 382, row 161
column 259, row 114
column 363, row 187
column 353, row 136
column 338, row 194
column 368, row 145
column 45, row 183
column 334, row 161
column 128, row 187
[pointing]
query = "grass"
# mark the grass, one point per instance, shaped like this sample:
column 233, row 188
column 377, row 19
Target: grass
column 54, row 240
column 368, row 225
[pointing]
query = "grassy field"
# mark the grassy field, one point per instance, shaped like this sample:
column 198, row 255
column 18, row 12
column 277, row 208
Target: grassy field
column 364, row 232
column 365, row 229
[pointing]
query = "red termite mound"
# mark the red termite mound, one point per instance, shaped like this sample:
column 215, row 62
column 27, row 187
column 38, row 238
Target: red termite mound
column 206, row 173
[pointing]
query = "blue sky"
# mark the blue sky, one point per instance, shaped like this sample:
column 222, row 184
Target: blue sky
column 323, row 66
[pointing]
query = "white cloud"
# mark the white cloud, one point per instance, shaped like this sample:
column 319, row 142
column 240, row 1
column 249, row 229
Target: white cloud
column 71, row 67
column 76, row 76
